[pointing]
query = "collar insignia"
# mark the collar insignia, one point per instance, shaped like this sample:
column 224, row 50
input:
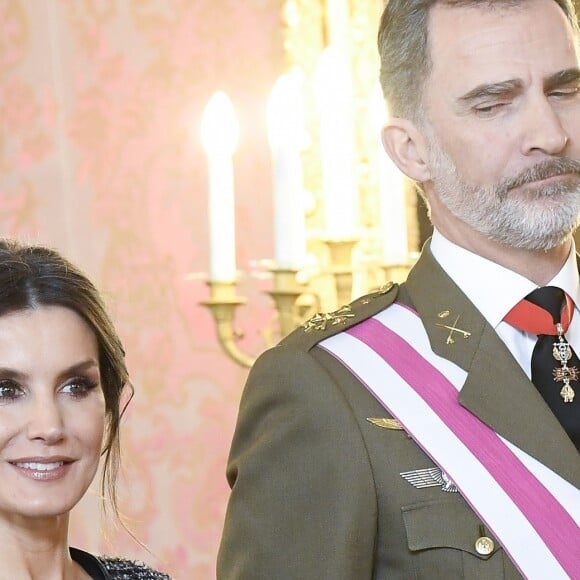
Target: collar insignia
column 452, row 328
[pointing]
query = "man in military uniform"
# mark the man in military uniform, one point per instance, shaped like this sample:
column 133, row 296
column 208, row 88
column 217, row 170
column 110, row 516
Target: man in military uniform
column 408, row 435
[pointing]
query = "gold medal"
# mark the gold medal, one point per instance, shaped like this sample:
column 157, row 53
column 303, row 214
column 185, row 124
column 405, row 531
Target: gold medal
column 562, row 352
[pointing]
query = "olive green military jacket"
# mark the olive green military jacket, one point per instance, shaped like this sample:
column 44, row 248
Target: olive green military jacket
column 316, row 487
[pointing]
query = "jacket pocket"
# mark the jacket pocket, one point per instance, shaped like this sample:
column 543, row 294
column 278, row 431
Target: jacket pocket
column 448, row 541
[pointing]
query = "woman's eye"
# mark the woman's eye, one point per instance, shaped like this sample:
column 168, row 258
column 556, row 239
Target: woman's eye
column 79, row 387
column 9, row 391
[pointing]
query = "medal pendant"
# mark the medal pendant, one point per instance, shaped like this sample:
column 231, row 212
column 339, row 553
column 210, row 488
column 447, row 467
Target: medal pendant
column 567, row 393
column 562, row 351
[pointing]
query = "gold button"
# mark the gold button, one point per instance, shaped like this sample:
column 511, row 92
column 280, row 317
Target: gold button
column 484, row 546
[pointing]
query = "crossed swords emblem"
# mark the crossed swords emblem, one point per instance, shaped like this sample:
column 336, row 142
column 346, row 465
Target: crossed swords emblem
column 452, row 328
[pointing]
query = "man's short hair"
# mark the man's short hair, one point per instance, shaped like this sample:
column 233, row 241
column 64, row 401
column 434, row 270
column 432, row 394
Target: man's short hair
column 403, row 42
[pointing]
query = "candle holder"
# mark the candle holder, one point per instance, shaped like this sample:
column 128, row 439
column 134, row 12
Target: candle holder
column 341, row 267
column 286, row 292
column 293, row 300
column 223, row 303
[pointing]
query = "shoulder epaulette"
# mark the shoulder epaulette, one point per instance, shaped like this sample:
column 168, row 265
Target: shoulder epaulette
column 325, row 324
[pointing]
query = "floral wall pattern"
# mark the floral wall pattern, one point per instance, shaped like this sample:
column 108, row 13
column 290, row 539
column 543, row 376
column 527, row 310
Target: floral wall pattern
column 100, row 157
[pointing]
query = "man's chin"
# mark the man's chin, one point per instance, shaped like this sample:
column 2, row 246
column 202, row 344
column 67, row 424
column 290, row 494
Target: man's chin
column 534, row 241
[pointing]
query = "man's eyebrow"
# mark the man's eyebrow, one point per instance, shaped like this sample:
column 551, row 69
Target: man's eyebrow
column 561, row 78
column 492, row 89
column 558, row 79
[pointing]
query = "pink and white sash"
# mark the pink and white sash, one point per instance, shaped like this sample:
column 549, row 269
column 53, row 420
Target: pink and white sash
column 533, row 511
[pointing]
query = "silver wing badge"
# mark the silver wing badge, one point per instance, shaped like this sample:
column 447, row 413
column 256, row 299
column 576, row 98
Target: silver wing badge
column 430, row 477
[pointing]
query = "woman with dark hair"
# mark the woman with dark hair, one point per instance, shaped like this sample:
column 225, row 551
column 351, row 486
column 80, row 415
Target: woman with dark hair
column 62, row 394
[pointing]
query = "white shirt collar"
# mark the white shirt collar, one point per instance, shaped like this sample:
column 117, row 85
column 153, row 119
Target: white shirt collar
column 493, row 289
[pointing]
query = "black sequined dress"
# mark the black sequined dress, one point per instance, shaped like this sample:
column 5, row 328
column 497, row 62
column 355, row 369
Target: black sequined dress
column 106, row 568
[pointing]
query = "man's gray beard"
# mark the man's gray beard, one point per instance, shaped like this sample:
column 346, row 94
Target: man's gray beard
column 533, row 219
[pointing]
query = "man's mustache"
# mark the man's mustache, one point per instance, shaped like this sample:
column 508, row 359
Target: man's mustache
column 543, row 170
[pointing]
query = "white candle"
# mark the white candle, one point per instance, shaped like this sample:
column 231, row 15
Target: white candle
column 338, row 21
column 391, row 191
column 334, row 90
column 287, row 137
column 220, row 134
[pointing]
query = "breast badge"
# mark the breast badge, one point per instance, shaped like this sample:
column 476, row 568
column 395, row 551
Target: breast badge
column 430, row 477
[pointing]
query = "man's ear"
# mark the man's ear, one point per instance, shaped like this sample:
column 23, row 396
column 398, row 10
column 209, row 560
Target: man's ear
column 407, row 148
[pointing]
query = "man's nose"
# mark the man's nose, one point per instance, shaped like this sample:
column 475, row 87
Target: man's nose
column 544, row 131
column 45, row 422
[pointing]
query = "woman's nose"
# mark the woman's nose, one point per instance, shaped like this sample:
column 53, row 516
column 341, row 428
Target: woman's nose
column 45, row 421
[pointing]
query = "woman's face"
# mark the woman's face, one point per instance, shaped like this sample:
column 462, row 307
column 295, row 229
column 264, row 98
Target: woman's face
column 52, row 412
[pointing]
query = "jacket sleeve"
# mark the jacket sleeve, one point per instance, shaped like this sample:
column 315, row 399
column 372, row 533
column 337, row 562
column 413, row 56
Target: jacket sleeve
column 303, row 503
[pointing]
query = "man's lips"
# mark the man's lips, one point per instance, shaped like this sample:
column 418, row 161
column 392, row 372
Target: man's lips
column 550, row 179
column 551, row 170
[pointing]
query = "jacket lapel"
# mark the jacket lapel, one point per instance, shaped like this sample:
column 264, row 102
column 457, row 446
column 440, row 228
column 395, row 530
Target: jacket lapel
column 497, row 390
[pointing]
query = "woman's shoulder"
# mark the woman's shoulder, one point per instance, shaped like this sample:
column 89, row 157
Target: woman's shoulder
column 122, row 568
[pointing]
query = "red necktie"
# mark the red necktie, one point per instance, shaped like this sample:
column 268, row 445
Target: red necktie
column 547, row 312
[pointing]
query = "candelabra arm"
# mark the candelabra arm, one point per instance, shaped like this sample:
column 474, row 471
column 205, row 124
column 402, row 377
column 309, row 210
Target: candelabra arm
column 342, row 268
column 222, row 305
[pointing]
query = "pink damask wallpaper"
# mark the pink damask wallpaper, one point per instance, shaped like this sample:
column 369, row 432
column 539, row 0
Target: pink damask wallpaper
column 100, row 157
